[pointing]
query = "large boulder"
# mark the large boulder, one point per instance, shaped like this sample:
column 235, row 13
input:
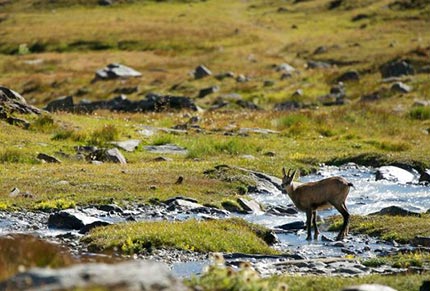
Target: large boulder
column 73, row 219
column 395, row 174
column 130, row 275
column 115, row 71
column 396, row 69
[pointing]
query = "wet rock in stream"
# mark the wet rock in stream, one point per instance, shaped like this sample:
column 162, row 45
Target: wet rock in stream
column 74, row 219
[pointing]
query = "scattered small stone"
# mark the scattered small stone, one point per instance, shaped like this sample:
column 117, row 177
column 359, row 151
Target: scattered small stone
column 268, row 83
column 105, row 2
column 285, row 68
column 349, row 76
column 162, row 159
column 223, row 76
column 396, row 69
column 179, row 181
column 370, row 97
column 110, row 208
column 359, row 17
column 288, row 106
column 115, row 71
column 48, row 158
column 201, row 72
column 400, row 87
column 207, row 91
column 127, row 145
column 320, row 50
column 317, row 65
column 242, row 79
column 166, row 149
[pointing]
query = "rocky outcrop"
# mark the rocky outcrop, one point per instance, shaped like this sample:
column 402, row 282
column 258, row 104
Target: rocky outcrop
column 74, row 219
column 152, row 103
column 131, row 275
column 11, row 102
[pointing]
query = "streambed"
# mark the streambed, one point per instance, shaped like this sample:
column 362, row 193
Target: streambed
column 319, row 257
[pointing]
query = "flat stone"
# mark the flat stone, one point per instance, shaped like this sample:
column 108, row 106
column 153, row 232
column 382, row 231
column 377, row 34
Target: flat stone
column 292, row 226
column 130, row 275
column 400, row 87
column 115, row 156
column 48, row 158
column 264, row 131
column 207, row 91
column 127, row 145
column 181, row 204
column 114, row 71
column 396, row 69
column 285, row 68
column 166, row 149
column 64, row 103
column 349, row 76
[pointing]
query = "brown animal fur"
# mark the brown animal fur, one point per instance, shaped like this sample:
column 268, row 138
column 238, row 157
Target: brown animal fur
column 312, row 196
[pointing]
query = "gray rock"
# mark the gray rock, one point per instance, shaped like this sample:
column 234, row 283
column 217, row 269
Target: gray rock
column 369, row 287
column 421, row 103
column 263, row 131
column 285, row 68
column 105, row 2
column 349, row 76
column 72, row 219
column 425, row 176
column 110, row 208
column 247, row 104
column 292, row 226
column 317, row 65
column 207, row 91
column 395, row 174
column 424, row 69
column 127, row 145
column 396, row 69
column 223, row 76
column 130, row 275
column 421, row 241
column 370, row 97
column 115, row 71
column 400, row 87
column 201, row 72
column 166, row 149
column 114, row 156
column 249, row 205
column 48, row 158
column 64, row 103
column 12, row 102
column 395, row 211
column 288, row 106
column 181, row 204
column 268, row 83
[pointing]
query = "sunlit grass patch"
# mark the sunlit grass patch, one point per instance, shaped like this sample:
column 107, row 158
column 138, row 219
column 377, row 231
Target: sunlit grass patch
column 420, row 113
column 57, row 204
column 231, row 235
column 10, row 155
column 402, row 229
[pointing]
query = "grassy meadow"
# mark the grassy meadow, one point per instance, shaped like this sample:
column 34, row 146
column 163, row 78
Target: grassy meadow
column 50, row 49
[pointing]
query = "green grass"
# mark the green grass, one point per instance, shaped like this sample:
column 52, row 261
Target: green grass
column 231, row 235
column 402, row 229
column 219, row 277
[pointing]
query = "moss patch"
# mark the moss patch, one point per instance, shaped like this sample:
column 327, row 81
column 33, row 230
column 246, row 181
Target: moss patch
column 231, row 235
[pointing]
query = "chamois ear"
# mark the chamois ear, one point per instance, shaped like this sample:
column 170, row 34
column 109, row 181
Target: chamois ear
column 283, row 171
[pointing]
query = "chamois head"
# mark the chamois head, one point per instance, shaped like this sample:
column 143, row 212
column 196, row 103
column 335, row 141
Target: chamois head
column 287, row 178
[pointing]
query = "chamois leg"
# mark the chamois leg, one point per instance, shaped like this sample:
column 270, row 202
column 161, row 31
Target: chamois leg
column 344, row 211
column 314, row 222
column 308, row 224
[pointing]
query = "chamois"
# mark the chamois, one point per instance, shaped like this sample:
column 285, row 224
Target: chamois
column 312, row 196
